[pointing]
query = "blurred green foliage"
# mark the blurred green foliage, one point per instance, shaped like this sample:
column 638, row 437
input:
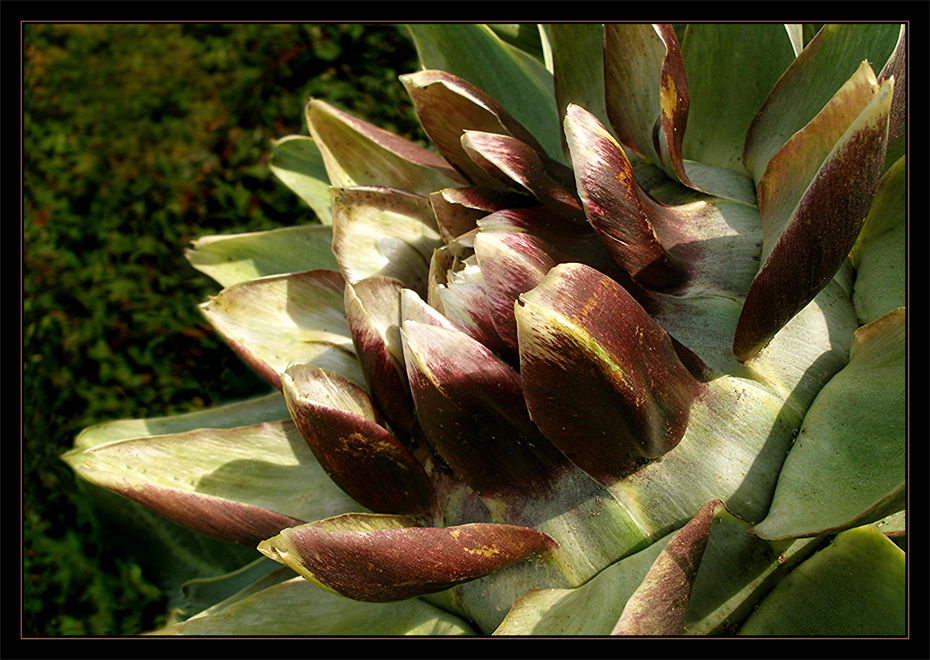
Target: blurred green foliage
column 138, row 139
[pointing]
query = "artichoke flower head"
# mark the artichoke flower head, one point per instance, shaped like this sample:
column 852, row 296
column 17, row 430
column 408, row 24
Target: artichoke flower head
column 622, row 353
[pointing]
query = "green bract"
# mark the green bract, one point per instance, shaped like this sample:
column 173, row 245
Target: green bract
column 624, row 355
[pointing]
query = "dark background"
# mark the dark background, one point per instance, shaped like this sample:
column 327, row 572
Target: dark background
column 136, row 140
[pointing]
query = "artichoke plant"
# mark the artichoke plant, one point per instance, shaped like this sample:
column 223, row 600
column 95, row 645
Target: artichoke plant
column 622, row 353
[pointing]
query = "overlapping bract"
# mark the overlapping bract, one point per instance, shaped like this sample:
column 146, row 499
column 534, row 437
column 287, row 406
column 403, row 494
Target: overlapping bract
column 535, row 364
